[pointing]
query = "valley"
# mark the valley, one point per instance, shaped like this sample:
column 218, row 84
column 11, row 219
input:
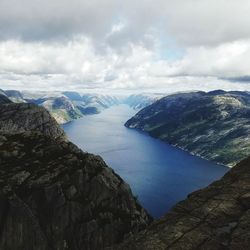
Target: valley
column 66, row 106
column 160, row 175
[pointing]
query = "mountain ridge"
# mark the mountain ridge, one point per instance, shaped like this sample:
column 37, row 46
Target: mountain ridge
column 213, row 125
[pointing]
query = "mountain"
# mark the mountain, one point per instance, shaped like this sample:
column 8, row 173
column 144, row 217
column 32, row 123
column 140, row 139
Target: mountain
column 140, row 101
column 4, row 98
column 69, row 105
column 53, row 195
column 216, row 218
column 61, row 108
column 213, row 125
column 15, row 96
column 97, row 102
column 65, row 106
column 72, row 95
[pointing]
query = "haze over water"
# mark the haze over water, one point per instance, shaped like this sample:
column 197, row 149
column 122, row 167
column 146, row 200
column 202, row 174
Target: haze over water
column 159, row 174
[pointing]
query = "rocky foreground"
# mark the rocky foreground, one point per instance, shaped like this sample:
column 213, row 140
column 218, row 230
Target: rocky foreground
column 214, row 218
column 213, row 125
column 53, row 195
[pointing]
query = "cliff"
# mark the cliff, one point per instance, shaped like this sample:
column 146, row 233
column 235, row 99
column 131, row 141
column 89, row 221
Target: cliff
column 17, row 118
column 53, row 195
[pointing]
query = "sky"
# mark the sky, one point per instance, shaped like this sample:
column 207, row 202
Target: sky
column 125, row 46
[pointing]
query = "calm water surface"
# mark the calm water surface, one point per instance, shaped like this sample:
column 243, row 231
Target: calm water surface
column 159, row 174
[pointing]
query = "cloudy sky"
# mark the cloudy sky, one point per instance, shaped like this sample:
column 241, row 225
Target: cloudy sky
column 117, row 45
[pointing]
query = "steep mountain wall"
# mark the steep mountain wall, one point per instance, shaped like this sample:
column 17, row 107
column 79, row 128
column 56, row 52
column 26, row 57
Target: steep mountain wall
column 53, row 195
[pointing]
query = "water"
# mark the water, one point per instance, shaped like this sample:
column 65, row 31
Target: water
column 160, row 175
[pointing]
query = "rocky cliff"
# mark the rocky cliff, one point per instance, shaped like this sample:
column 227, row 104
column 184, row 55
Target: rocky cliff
column 16, row 118
column 214, row 125
column 53, row 195
column 214, row 218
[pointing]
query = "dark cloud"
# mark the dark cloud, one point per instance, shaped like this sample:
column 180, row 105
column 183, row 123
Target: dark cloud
column 42, row 20
column 189, row 22
column 242, row 79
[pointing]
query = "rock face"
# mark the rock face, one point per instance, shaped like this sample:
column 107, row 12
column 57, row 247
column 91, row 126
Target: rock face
column 53, row 195
column 214, row 125
column 214, row 218
column 16, row 118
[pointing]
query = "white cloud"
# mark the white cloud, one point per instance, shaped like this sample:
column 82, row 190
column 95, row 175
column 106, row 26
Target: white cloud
column 112, row 44
column 78, row 65
column 226, row 60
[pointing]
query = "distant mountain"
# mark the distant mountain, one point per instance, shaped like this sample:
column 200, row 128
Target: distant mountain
column 99, row 101
column 53, row 195
column 72, row 95
column 65, row 106
column 15, row 96
column 69, row 105
column 4, row 98
column 140, row 101
column 213, row 125
column 61, row 108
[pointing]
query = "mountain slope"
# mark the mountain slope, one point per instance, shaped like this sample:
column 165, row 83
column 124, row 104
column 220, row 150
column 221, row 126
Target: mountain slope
column 214, row 125
column 53, row 195
column 4, row 98
column 216, row 218
column 140, row 101
column 61, row 108
column 69, row 105
column 14, row 96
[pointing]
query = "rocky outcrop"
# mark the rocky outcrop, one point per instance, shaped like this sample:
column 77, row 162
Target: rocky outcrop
column 213, row 125
column 17, row 118
column 53, row 195
column 215, row 218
